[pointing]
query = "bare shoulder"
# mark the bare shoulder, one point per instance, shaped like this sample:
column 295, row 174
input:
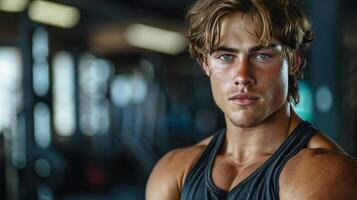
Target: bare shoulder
column 167, row 177
column 320, row 171
column 321, row 141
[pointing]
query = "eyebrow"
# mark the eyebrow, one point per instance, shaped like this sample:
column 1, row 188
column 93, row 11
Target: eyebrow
column 252, row 49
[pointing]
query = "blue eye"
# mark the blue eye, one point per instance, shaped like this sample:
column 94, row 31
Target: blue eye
column 225, row 57
column 263, row 56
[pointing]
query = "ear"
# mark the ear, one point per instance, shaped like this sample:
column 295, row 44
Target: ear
column 206, row 67
column 296, row 62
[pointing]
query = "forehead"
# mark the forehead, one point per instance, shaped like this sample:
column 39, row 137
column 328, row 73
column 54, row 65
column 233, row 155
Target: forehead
column 244, row 28
column 238, row 27
column 237, row 20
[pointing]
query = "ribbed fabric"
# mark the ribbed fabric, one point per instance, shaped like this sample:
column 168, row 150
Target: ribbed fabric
column 262, row 184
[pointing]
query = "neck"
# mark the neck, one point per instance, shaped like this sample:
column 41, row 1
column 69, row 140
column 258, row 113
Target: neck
column 245, row 144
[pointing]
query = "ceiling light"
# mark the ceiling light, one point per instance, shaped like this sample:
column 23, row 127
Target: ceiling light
column 54, row 14
column 13, row 5
column 155, row 39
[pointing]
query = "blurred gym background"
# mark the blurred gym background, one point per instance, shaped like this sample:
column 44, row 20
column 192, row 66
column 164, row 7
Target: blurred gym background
column 94, row 92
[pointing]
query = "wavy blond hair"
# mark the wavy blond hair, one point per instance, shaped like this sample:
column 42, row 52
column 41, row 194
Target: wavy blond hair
column 283, row 20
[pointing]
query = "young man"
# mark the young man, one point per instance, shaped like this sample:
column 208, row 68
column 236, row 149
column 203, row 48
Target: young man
column 252, row 51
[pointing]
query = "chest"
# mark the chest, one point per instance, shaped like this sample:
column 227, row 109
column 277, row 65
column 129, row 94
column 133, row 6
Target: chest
column 226, row 174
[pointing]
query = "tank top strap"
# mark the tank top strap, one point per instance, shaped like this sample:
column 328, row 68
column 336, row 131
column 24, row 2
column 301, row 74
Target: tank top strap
column 199, row 167
column 297, row 140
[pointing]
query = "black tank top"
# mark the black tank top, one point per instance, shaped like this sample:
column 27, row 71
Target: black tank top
column 262, row 184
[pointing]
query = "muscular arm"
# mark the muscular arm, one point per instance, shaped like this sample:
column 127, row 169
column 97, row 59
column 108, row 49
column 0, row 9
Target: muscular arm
column 321, row 175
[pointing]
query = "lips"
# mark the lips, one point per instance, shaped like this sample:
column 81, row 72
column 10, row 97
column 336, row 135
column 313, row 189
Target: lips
column 244, row 99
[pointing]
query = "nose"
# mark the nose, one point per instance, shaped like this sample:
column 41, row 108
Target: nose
column 243, row 73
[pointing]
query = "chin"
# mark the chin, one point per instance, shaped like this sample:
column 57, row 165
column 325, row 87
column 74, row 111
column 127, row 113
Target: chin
column 245, row 120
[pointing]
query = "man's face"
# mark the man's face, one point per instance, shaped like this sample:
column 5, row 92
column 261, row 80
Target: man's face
column 249, row 82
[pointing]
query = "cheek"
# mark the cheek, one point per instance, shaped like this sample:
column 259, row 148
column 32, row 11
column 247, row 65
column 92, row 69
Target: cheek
column 217, row 70
column 219, row 76
column 284, row 77
column 222, row 76
column 278, row 81
column 219, row 79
